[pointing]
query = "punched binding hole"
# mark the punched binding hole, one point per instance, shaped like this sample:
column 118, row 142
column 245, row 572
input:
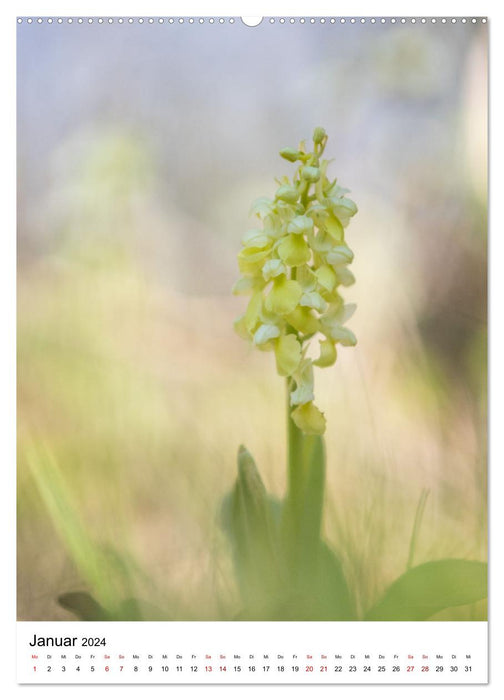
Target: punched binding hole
column 251, row 21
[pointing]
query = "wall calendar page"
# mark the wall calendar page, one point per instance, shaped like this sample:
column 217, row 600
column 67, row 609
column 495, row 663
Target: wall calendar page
column 251, row 350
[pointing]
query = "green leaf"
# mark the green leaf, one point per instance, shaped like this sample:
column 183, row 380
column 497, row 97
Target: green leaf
column 134, row 609
column 426, row 589
column 83, row 606
column 321, row 593
column 334, row 596
column 249, row 516
column 86, row 608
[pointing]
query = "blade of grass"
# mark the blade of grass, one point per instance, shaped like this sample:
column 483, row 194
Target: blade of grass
column 101, row 571
column 416, row 526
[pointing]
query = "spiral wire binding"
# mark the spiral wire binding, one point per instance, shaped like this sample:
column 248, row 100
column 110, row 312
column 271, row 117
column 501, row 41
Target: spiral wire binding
column 267, row 20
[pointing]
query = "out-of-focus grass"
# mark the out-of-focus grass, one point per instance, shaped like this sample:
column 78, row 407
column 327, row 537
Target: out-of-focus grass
column 103, row 569
column 136, row 397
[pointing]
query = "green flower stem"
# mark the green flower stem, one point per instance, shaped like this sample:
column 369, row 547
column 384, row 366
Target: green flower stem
column 304, row 193
column 292, row 511
column 295, row 475
column 295, row 467
column 303, row 507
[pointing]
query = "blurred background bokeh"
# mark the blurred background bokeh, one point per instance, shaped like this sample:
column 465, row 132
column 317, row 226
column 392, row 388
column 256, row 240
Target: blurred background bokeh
column 140, row 150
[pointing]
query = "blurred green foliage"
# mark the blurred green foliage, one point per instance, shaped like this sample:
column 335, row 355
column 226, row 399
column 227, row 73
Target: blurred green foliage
column 287, row 572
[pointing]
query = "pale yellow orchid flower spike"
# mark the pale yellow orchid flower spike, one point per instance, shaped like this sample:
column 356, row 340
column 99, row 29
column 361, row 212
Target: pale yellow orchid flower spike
column 292, row 267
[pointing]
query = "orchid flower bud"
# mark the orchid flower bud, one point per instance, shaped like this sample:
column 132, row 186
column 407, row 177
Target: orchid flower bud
column 319, row 135
column 290, row 154
column 310, row 173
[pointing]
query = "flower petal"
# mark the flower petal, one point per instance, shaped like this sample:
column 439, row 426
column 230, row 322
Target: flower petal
column 294, row 250
column 340, row 255
column 340, row 334
column 284, row 296
column 290, row 154
column 303, row 320
column 321, row 242
column 265, row 333
column 286, row 211
column 318, row 213
column 273, row 226
column 343, row 209
column 300, row 225
column 255, row 238
column 339, row 312
column 240, row 327
column 273, row 268
column 348, row 339
column 323, row 182
column 261, row 207
column 246, row 285
column 253, row 311
column 303, row 393
column 288, row 354
column 251, row 260
column 334, row 228
column 314, row 301
column 309, row 419
column 345, row 276
column 326, row 277
column 306, row 278
column 347, row 204
column 335, row 191
column 328, row 354
column 287, row 194
column 267, row 317
column 347, row 312
column 310, row 173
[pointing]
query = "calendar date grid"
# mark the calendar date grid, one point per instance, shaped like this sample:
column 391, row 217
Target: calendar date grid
column 260, row 663
column 208, row 652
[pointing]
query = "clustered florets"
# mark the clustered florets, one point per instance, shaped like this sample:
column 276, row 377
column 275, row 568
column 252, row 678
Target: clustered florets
column 292, row 268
